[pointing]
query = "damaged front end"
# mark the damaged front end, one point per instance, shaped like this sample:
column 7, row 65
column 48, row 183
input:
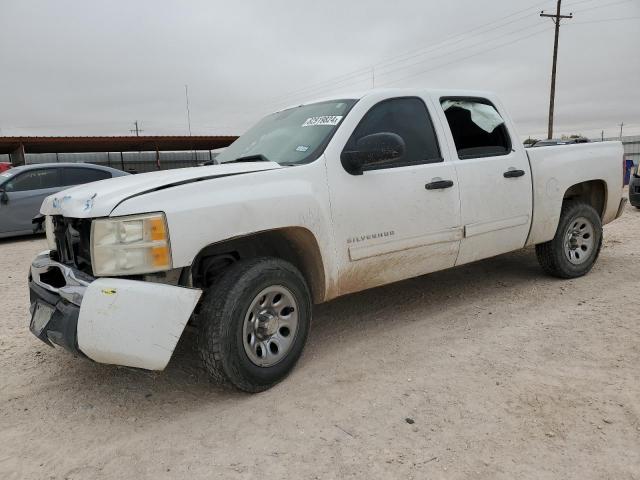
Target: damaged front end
column 122, row 321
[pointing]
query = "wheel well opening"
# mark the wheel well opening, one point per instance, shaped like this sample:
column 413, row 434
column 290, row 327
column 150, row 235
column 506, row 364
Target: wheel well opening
column 296, row 245
column 593, row 192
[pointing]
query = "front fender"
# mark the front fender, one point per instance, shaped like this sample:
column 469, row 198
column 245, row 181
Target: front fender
column 212, row 211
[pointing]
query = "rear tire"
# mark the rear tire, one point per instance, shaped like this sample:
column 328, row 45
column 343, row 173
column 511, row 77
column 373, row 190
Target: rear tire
column 254, row 323
column 576, row 245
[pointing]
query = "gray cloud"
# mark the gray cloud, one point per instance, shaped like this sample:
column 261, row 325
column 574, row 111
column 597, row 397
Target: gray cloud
column 77, row 67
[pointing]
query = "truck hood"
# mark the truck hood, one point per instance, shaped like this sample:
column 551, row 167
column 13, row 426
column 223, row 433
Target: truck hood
column 98, row 199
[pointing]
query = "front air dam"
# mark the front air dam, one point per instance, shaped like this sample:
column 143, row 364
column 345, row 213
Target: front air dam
column 133, row 323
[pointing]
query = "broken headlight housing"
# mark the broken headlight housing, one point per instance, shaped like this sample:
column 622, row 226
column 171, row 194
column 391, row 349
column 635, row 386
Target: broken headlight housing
column 130, row 245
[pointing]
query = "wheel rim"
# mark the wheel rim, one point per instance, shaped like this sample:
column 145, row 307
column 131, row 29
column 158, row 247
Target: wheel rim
column 270, row 326
column 579, row 241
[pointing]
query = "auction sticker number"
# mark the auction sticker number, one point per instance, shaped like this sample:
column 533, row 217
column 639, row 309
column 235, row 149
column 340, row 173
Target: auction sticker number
column 323, row 120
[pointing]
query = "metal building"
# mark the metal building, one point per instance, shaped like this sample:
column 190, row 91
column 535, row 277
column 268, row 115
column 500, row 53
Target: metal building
column 133, row 153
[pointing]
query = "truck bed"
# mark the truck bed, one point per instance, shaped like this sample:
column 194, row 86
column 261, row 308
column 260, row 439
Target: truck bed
column 555, row 169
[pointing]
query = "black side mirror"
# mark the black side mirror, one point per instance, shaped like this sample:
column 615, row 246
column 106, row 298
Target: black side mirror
column 4, row 198
column 373, row 150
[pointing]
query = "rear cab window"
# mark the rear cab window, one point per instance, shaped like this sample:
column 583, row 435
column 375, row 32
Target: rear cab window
column 477, row 128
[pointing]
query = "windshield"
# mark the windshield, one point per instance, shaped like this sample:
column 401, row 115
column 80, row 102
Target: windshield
column 290, row 137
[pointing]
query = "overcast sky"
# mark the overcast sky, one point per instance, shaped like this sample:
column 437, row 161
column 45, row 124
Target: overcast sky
column 72, row 67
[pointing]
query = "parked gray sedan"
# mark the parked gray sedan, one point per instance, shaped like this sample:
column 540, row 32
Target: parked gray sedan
column 22, row 190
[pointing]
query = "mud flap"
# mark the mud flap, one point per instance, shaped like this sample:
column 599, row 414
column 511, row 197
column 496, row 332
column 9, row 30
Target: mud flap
column 133, row 323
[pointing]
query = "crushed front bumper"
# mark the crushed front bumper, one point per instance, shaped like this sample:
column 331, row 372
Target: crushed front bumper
column 109, row 320
column 59, row 289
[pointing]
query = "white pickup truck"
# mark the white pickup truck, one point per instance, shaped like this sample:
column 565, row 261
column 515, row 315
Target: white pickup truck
column 315, row 201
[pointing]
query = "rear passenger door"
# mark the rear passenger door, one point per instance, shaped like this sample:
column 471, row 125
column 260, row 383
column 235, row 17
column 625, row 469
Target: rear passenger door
column 494, row 176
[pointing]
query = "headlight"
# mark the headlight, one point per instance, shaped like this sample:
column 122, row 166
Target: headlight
column 48, row 228
column 130, row 245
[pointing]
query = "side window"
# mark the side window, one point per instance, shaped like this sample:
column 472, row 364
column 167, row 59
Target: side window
column 78, row 175
column 34, row 180
column 407, row 117
column 478, row 129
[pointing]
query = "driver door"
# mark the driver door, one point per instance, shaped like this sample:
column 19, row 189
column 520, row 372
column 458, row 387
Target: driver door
column 397, row 219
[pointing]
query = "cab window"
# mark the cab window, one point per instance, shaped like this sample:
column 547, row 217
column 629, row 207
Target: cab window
column 407, row 117
column 33, row 180
column 477, row 128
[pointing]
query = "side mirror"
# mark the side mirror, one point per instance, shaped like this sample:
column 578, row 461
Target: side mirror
column 4, row 198
column 373, row 150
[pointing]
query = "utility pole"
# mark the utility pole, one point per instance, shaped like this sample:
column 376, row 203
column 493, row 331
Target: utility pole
column 621, row 125
column 136, row 130
column 186, row 96
column 556, row 19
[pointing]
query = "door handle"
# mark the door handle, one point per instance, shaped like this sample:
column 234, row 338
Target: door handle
column 439, row 184
column 513, row 173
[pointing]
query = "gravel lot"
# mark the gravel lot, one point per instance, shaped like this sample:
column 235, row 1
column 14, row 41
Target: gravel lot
column 488, row 371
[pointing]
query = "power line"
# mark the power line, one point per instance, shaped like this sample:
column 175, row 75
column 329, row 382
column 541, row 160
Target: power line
column 361, row 75
column 479, row 30
column 510, row 42
column 580, row 2
column 365, row 71
column 464, row 48
column 360, row 72
column 602, row 6
column 604, row 20
column 447, row 53
column 493, row 47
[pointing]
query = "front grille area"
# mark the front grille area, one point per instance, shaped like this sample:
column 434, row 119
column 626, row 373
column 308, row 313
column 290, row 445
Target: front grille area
column 73, row 242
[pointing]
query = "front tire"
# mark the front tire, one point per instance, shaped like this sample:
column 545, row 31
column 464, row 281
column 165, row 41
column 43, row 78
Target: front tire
column 577, row 242
column 254, row 323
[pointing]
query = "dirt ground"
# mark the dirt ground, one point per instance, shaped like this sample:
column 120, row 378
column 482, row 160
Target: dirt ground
column 488, row 371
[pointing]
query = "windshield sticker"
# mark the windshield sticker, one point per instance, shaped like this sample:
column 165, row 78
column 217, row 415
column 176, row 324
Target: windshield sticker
column 302, row 148
column 321, row 121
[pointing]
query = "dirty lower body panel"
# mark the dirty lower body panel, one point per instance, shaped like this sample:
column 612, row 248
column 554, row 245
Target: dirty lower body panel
column 109, row 320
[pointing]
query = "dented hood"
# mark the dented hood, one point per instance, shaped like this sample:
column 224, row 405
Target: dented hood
column 98, row 199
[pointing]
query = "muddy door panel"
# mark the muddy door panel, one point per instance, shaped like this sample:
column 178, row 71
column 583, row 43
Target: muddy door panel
column 389, row 226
